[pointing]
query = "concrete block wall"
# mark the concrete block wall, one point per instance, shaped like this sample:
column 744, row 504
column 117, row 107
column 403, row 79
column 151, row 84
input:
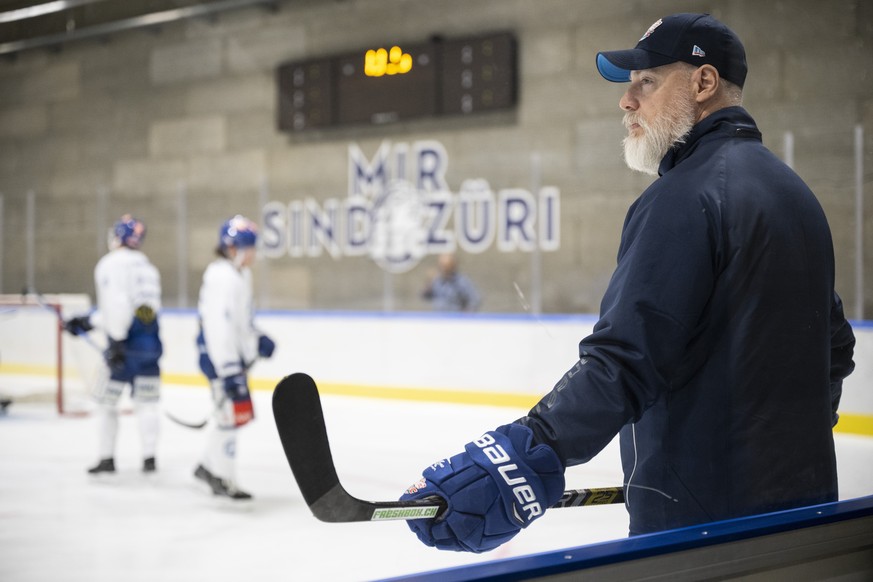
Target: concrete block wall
column 128, row 123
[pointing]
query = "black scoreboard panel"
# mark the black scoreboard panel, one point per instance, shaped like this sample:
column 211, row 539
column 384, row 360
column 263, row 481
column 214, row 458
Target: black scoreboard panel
column 305, row 95
column 439, row 77
column 478, row 74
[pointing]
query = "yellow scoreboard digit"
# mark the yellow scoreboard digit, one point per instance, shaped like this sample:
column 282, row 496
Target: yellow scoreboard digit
column 391, row 62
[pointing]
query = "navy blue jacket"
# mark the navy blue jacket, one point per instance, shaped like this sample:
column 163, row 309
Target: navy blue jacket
column 721, row 345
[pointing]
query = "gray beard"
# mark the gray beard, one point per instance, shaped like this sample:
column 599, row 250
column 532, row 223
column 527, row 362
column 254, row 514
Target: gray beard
column 671, row 127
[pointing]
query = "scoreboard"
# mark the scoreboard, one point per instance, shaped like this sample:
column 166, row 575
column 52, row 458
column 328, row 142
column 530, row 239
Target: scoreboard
column 382, row 85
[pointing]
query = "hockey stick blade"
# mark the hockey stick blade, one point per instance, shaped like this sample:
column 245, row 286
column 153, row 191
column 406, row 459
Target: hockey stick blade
column 179, row 421
column 300, row 422
column 202, row 423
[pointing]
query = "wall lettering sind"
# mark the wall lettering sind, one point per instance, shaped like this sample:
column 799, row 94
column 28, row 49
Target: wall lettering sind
column 399, row 208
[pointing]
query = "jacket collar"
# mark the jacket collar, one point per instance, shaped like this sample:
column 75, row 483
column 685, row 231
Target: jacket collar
column 729, row 122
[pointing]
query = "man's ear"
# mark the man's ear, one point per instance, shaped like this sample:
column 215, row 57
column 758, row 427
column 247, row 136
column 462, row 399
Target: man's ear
column 706, row 82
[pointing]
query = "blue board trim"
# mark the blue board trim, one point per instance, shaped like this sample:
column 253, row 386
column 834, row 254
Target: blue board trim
column 601, row 554
column 568, row 318
column 408, row 315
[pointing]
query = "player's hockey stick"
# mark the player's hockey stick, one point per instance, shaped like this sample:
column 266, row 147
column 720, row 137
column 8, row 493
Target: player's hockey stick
column 197, row 425
column 194, row 425
column 300, row 421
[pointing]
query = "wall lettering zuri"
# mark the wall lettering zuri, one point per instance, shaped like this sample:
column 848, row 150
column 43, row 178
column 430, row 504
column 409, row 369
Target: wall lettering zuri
column 399, row 208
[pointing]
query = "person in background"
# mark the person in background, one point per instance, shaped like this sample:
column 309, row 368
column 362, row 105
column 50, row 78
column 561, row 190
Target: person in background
column 449, row 290
column 721, row 346
column 228, row 345
column 128, row 302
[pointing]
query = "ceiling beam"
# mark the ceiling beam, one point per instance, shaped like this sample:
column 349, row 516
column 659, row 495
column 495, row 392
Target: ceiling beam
column 142, row 21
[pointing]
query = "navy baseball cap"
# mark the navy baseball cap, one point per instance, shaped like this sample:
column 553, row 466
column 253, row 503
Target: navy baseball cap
column 698, row 39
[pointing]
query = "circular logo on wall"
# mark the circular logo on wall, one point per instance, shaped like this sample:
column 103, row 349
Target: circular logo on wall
column 399, row 234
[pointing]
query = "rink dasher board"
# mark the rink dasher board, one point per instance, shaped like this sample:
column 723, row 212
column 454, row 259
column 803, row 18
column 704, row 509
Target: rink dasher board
column 810, row 543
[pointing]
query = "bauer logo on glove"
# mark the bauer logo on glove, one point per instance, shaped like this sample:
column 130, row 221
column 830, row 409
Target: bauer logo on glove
column 514, row 478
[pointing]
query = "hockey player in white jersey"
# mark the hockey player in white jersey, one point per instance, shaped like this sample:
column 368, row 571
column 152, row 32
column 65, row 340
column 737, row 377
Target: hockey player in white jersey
column 228, row 344
column 128, row 301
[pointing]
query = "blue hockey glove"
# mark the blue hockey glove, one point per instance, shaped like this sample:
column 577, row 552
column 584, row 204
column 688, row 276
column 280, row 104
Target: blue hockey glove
column 265, row 346
column 234, row 387
column 78, row 325
column 236, row 392
column 499, row 485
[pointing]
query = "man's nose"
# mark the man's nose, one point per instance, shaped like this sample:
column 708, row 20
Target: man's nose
column 627, row 102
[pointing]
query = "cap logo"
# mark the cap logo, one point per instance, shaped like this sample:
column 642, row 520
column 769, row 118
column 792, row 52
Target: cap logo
column 697, row 52
column 652, row 29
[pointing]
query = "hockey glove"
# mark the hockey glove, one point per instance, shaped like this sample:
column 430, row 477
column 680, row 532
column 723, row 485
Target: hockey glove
column 78, row 325
column 265, row 346
column 236, row 400
column 115, row 355
column 235, row 386
column 498, row 486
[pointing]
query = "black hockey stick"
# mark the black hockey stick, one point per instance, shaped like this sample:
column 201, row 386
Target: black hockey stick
column 194, row 425
column 300, row 421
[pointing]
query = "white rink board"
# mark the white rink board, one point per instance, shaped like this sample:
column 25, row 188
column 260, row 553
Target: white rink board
column 504, row 354
column 501, row 353
column 497, row 353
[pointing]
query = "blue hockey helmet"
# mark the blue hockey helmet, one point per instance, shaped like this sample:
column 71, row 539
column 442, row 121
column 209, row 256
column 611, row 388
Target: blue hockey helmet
column 129, row 232
column 238, row 232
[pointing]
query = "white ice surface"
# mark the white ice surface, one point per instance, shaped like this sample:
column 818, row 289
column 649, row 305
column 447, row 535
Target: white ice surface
column 58, row 523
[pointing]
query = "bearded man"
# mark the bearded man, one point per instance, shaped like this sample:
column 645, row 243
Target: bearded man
column 721, row 346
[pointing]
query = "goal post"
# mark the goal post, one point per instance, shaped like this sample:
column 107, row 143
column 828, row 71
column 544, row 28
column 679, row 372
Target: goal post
column 39, row 362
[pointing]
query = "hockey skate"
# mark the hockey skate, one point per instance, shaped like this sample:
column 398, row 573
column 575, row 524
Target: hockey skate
column 220, row 486
column 104, row 466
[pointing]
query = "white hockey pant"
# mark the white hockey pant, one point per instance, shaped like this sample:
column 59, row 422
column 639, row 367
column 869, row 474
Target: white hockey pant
column 146, row 395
